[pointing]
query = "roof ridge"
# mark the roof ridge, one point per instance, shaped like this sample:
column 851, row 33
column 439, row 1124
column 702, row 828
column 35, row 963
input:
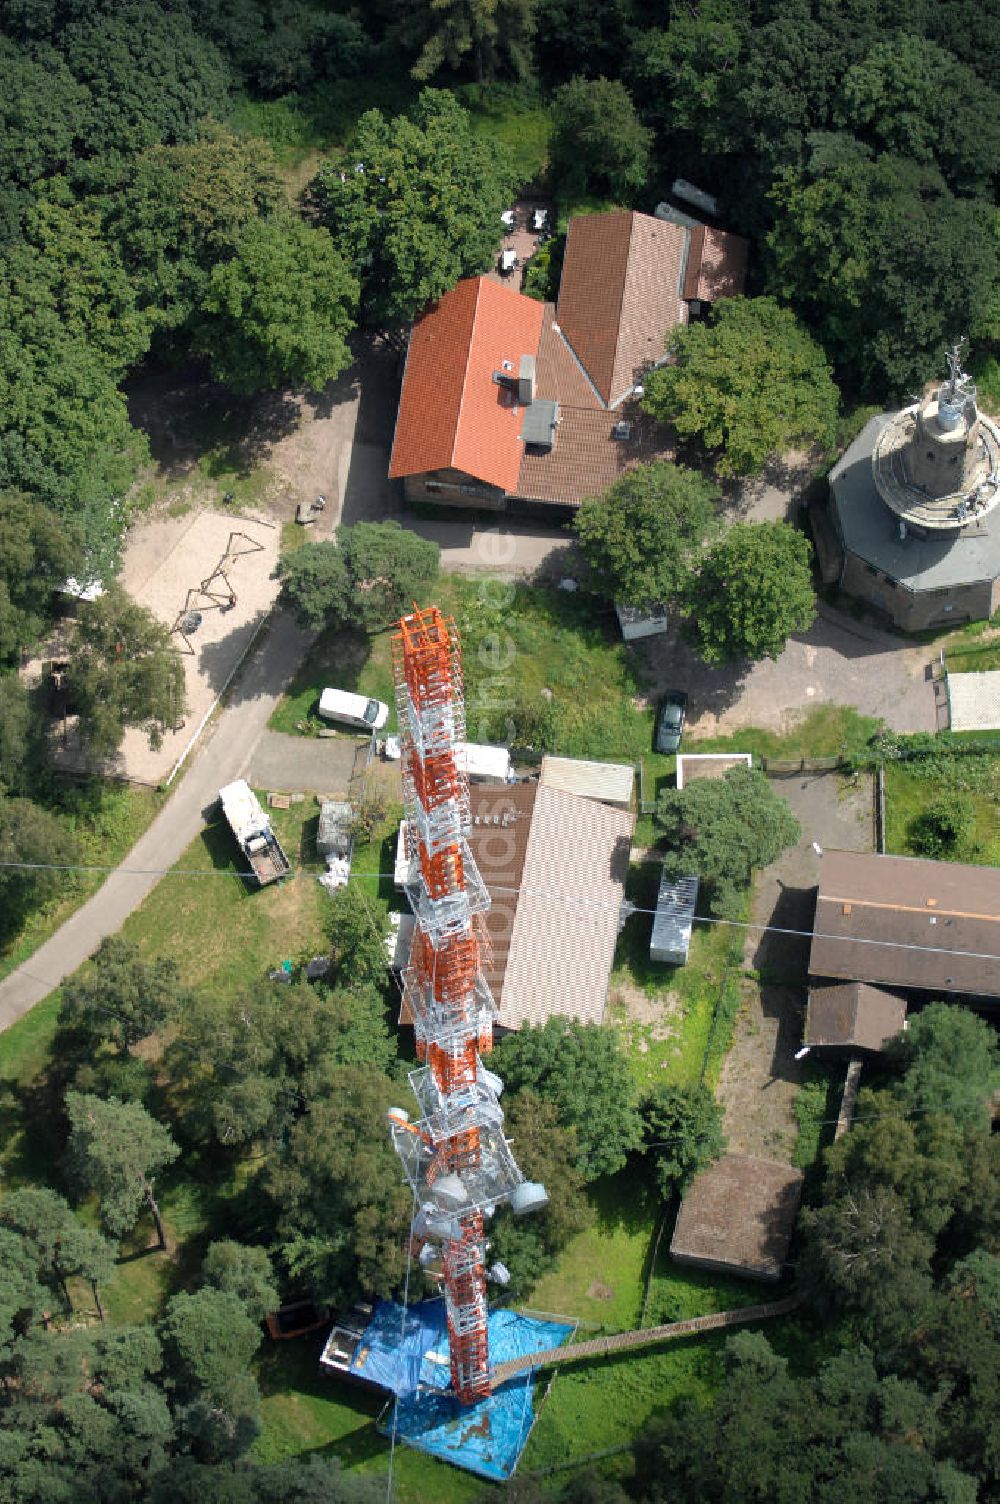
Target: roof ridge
column 557, row 329
column 468, row 362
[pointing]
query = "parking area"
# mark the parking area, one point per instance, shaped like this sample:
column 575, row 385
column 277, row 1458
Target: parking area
column 287, row 764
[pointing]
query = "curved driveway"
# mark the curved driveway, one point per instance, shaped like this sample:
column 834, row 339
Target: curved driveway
column 222, row 756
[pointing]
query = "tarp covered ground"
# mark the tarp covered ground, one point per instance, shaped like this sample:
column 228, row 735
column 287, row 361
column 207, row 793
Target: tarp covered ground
column 409, row 1356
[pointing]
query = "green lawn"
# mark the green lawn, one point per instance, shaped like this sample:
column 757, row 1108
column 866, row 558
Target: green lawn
column 824, row 731
column 665, row 1013
column 515, row 116
column 221, row 932
column 908, row 791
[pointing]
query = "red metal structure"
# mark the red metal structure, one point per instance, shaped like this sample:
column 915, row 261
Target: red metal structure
column 456, row 1157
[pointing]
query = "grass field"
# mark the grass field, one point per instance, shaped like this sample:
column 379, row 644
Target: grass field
column 221, row 932
column 908, row 793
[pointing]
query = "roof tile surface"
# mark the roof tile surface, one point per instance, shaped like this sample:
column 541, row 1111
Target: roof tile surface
column 452, row 415
column 620, row 294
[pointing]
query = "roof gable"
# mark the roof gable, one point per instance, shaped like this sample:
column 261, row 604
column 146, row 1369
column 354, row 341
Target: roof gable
column 452, row 415
column 620, row 294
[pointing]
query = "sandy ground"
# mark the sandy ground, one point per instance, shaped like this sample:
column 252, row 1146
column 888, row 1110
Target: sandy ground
column 760, row 1076
column 166, row 564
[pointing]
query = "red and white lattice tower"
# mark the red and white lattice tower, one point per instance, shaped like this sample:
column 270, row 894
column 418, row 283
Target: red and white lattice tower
column 455, row 1156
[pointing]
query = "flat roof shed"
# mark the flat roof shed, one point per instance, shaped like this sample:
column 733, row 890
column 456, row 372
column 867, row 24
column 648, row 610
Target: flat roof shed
column 610, row 782
column 738, row 1216
column 674, row 918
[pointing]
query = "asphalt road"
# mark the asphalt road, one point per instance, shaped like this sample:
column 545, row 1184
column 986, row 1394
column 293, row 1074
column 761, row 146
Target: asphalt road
column 223, row 755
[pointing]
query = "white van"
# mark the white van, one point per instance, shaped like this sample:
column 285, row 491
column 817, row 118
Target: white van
column 353, row 710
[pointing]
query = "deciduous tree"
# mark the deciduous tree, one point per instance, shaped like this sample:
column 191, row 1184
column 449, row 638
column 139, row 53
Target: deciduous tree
column 748, row 384
column 124, row 671
column 752, row 591
column 389, row 568
column 416, row 206
column 33, row 836
column 725, row 829
column 581, row 1071
column 598, row 145
column 644, row 535
column 38, row 550
column 682, row 1133
column 279, row 312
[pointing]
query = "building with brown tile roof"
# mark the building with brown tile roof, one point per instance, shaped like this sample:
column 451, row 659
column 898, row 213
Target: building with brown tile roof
column 510, row 403
column 844, row 1017
column 908, row 923
column 620, row 295
column 738, row 1216
column 554, row 865
column 716, row 265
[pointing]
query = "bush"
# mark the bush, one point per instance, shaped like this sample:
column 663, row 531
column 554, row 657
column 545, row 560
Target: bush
column 944, row 827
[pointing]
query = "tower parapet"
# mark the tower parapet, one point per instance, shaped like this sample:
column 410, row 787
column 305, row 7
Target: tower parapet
column 936, row 464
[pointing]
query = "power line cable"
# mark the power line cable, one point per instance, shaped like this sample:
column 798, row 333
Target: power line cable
column 573, row 900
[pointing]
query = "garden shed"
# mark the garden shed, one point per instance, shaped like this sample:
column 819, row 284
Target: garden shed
column 672, row 924
column 333, row 837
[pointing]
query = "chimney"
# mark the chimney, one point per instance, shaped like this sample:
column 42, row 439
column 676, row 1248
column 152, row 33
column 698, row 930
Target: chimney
column 526, row 380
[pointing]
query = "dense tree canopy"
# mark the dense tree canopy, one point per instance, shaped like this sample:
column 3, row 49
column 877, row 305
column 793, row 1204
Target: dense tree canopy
column 416, row 207
column 581, row 1070
column 343, row 1213
column 280, row 311
column 123, row 998
column 753, row 590
column 372, row 573
column 749, row 384
column 724, row 829
column 951, row 1063
column 643, row 536
column 35, row 836
column 883, row 263
column 598, row 145
column 493, row 35
column 37, row 553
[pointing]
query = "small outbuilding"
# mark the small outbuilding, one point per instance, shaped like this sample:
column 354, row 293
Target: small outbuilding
column 333, row 836
column 692, row 765
column 674, row 919
column 608, row 782
column 738, row 1216
column 482, row 763
column 850, row 1017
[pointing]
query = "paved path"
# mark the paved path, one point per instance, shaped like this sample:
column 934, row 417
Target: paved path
column 223, row 755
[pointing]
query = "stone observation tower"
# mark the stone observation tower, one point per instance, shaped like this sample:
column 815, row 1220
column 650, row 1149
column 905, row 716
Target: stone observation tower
column 455, row 1157
column 937, row 464
column 915, row 511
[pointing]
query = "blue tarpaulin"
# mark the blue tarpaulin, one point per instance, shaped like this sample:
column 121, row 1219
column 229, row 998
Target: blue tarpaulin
column 486, row 1438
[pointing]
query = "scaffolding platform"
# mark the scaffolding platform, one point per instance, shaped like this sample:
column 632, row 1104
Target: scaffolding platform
column 411, row 1359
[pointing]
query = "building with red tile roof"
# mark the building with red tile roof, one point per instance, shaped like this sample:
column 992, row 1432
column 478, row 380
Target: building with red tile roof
column 510, row 403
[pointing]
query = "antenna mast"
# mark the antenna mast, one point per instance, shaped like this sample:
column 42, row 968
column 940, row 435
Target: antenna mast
column 455, row 1157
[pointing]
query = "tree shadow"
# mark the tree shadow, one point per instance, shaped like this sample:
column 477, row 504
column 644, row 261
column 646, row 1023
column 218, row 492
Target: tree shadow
column 188, row 417
column 369, row 494
column 217, row 659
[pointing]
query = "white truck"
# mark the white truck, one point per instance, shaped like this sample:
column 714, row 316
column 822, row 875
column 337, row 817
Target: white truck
column 252, row 829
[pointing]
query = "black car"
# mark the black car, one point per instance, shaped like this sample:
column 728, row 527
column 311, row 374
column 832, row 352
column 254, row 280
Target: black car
column 670, row 721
